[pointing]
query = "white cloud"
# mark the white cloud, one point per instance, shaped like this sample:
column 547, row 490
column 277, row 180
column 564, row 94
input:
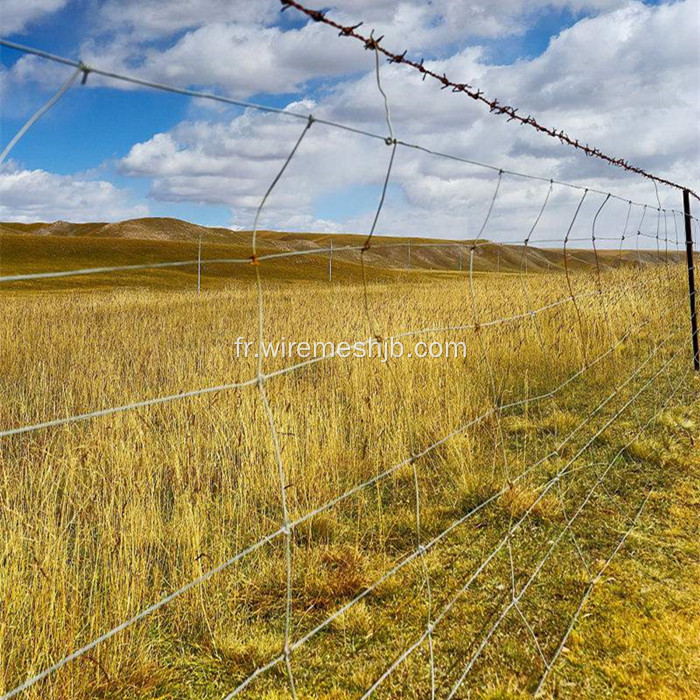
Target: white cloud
column 15, row 15
column 612, row 80
column 37, row 195
column 236, row 45
column 245, row 60
column 149, row 18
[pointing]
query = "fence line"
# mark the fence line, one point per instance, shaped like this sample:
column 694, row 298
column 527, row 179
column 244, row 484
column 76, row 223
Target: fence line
column 503, row 543
column 498, row 407
column 146, row 403
column 556, row 541
column 422, row 548
column 33, row 276
column 87, row 69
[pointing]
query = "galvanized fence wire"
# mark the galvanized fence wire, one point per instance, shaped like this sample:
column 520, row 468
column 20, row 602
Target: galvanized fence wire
column 309, row 118
column 164, row 87
column 288, row 526
column 261, row 378
column 594, row 580
column 561, row 473
column 398, row 386
column 557, row 540
column 252, row 381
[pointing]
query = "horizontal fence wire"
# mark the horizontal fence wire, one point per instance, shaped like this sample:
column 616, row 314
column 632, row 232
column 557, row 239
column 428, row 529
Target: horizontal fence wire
column 594, row 581
column 503, row 543
column 29, row 50
column 57, row 274
column 332, row 354
column 422, row 548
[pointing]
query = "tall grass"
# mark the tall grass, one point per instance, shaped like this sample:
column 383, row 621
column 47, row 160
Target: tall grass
column 103, row 517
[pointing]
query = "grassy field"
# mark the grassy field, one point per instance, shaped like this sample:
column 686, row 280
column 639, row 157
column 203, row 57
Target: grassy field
column 102, row 517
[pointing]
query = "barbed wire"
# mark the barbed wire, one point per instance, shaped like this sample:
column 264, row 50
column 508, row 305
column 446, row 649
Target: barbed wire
column 495, row 107
column 198, row 94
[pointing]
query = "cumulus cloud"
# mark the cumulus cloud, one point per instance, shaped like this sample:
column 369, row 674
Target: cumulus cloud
column 15, row 15
column 149, row 18
column 235, row 45
column 37, row 195
column 614, row 80
column 601, row 80
column 244, row 60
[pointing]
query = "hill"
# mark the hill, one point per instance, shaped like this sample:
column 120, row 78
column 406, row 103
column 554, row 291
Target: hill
column 60, row 246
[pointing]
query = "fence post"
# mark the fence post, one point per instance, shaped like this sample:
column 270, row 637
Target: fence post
column 199, row 263
column 330, row 263
column 691, row 279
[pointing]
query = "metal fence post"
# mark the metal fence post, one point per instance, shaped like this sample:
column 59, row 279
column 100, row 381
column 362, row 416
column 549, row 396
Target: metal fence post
column 691, row 279
column 199, row 263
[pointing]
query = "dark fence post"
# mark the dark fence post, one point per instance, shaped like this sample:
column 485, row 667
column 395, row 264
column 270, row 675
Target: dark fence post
column 691, row 279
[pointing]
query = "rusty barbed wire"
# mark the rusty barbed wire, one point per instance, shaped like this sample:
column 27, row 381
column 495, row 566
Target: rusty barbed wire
column 494, row 105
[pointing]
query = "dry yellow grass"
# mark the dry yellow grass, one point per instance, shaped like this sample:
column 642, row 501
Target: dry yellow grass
column 103, row 517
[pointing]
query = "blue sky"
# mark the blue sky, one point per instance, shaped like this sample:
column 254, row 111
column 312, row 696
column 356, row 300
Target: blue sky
column 103, row 133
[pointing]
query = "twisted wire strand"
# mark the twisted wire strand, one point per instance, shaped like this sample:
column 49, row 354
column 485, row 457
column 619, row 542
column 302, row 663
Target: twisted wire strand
column 391, row 139
column 261, row 378
column 164, row 87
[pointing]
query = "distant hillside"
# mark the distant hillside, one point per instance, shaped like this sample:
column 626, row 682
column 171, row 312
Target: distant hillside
column 65, row 245
column 148, row 229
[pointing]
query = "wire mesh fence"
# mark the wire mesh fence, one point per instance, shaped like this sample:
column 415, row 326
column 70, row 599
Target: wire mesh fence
column 319, row 525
